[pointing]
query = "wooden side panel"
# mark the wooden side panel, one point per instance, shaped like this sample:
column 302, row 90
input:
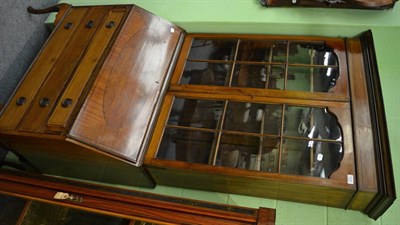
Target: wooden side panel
column 122, row 101
column 59, row 75
column 362, row 128
column 96, row 49
column 39, row 70
column 61, row 158
column 253, row 185
column 386, row 185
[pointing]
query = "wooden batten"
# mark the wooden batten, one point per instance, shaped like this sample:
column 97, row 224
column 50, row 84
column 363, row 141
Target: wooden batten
column 130, row 204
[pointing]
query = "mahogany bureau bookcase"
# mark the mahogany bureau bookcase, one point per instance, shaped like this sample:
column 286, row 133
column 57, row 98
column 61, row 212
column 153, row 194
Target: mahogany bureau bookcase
column 122, row 96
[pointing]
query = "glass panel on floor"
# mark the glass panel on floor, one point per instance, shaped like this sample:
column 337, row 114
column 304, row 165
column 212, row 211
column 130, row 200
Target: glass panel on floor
column 50, row 214
column 10, row 207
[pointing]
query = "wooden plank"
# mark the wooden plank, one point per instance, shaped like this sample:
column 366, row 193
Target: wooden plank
column 128, row 203
column 363, row 139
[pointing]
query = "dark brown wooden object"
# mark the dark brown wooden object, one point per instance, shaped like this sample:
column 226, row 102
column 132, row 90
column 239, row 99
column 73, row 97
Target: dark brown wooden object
column 88, row 101
column 351, row 4
column 119, row 73
column 130, row 204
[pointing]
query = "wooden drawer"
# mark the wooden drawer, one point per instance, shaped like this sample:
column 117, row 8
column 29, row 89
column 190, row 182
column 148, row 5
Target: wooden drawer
column 88, row 65
column 59, row 75
column 38, row 72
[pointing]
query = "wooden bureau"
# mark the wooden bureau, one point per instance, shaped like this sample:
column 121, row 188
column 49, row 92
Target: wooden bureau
column 119, row 95
column 86, row 105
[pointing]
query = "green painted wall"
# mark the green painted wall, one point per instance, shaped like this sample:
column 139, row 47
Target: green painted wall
column 247, row 16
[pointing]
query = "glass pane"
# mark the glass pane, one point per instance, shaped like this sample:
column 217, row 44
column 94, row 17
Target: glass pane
column 262, row 51
column 270, row 155
column 312, row 54
column 196, row 113
column 253, row 118
column 325, row 78
column 257, row 76
column 311, row 123
column 10, row 209
column 299, row 79
column 248, row 152
column 186, row 145
column 311, row 158
column 312, row 79
column 239, row 151
column 272, row 119
column 50, row 214
column 212, row 49
column 204, row 73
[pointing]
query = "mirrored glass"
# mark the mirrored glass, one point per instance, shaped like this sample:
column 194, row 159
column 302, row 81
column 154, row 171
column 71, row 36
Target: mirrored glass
column 196, row 113
column 258, row 76
column 186, row 145
column 311, row 158
column 312, row 54
column 311, row 123
column 205, row 73
column 203, row 49
column 262, row 51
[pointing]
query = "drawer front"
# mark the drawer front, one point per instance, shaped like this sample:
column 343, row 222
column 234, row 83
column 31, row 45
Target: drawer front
column 66, row 63
column 95, row 54
column 39, row 70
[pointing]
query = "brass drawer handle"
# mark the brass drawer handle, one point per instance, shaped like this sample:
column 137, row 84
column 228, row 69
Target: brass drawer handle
column 44, row 102
column 68, row 25
column 89, row 24
column 66, row 103
column 21, row 101
column 110, row 24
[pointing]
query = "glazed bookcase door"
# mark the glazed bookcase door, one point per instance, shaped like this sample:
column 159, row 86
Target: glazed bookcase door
column 266, row 107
